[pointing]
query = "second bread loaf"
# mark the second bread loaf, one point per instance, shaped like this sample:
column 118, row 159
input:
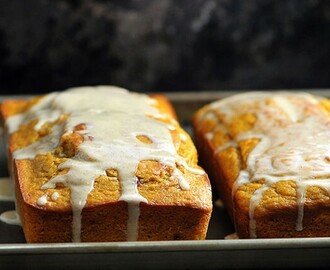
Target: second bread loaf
column 268, row 155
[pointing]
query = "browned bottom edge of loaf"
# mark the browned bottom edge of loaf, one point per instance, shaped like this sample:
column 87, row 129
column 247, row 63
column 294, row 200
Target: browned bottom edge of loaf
column 108, row 223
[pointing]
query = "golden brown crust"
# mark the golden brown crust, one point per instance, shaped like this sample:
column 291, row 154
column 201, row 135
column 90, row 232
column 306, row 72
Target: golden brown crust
column 171, row 213
column 276, row 214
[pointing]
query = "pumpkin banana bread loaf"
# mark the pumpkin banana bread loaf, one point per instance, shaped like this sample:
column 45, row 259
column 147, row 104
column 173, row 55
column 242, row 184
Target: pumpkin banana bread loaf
column 268, row 155
column 104, row 164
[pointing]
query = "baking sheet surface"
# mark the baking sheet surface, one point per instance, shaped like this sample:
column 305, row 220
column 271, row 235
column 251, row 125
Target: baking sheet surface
column 213, row 253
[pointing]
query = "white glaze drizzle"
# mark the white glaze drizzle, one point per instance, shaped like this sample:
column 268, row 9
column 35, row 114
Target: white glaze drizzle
column 10, row 217
column 42, row 200
column 287, row 107
column 293, row 144
column 301, row 190
column 225, row 146
column 232, row 236
column 55, row 195
column 42, row 146
column 114, row 118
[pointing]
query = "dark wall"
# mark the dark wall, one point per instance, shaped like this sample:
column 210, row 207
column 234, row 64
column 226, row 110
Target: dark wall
column 164, row 45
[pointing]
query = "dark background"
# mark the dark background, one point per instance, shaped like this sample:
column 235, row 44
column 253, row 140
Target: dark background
column 164, row 45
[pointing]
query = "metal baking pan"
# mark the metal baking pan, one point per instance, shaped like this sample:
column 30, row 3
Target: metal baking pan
column 215, row 252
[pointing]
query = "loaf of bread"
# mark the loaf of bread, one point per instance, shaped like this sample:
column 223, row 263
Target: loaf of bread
column 104, row 164
column 268, row 156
